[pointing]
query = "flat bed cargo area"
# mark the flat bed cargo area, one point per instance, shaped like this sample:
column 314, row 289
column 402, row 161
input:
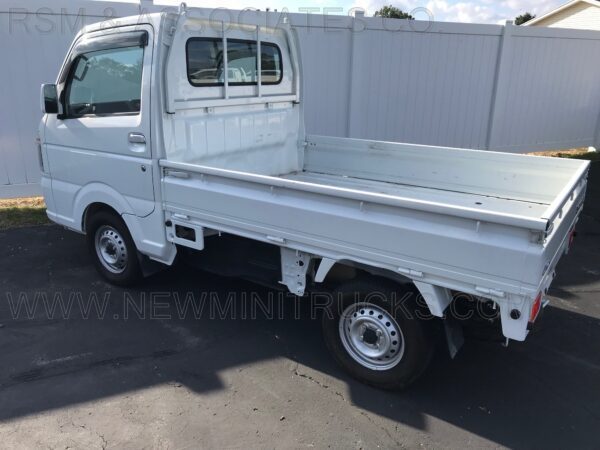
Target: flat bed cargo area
column 479, row 202
column 524, row 190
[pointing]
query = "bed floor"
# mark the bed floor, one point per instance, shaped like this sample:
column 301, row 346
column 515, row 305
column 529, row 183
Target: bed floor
column 485, row 203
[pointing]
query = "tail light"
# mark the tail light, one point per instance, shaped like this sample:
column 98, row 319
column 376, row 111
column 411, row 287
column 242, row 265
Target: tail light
column 535, row 308
column 572, row 236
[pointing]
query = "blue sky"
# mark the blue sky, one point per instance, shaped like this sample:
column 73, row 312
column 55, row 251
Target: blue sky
column 477, row 11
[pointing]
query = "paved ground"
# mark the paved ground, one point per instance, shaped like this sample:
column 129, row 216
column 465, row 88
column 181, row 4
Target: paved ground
column 145, row 380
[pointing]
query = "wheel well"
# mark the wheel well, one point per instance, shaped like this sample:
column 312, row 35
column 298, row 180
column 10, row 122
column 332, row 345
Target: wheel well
column 343, row 272
column 95, row 208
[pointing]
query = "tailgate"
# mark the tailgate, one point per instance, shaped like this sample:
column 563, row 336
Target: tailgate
column 562, row 216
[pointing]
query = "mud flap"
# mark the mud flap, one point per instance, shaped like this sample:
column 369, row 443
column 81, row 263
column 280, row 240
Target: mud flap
column 454, row 335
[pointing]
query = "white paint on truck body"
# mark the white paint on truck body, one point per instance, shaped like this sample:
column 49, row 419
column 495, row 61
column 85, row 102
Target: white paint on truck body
column 234, row 158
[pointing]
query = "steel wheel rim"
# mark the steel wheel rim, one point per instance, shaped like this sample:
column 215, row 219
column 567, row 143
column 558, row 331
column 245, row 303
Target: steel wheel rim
column 111, row 249
column 371, row 336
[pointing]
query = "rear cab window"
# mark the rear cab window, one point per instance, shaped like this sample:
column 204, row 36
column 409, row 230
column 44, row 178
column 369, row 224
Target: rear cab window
column 206, row 65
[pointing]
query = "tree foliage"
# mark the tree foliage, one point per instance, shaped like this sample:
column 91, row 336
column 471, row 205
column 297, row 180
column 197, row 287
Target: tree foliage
column 520, row 20
column 391, row 12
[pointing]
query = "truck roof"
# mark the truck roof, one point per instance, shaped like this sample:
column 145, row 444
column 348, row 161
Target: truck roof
column 152, row 19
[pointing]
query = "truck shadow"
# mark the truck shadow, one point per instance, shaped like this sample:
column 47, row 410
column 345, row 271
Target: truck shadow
column 505, row 395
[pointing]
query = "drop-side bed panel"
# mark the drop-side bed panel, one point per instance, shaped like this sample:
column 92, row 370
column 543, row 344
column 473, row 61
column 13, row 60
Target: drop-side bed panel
column 449, row 251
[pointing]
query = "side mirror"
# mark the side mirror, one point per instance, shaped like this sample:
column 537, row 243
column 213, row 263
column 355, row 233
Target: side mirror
column 49, row 99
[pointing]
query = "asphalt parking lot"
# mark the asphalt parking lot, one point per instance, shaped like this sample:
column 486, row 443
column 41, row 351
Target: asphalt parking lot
column 87, row 365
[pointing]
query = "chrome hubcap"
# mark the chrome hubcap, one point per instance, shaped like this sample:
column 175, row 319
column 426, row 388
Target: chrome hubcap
column 371, row 336
column 111, row 249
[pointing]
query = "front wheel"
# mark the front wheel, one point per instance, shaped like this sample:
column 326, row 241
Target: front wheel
column 112, row 249
column 377, row 333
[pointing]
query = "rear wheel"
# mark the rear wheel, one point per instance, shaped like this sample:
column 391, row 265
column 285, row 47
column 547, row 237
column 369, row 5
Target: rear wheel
column 373, row 331
column 113, row 252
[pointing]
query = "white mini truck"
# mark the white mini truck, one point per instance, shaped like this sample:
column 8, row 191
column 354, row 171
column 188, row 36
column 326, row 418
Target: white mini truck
column 171, row 134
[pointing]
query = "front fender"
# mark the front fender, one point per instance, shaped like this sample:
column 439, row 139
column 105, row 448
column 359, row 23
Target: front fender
column 97, row 193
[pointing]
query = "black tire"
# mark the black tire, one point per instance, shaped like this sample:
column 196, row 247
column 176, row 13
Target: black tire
column 105, row 221
column 417, row 341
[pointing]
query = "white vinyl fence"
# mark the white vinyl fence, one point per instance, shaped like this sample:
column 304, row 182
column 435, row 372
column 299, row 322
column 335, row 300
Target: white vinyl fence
column 503, row 88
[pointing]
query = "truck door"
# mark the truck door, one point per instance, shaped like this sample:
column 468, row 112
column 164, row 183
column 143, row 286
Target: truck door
column 99, row 147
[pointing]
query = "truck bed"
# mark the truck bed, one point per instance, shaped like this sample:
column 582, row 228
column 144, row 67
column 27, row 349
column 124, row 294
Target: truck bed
column 473, row 221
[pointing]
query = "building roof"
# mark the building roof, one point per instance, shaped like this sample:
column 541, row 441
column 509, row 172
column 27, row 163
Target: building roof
column 560, row 9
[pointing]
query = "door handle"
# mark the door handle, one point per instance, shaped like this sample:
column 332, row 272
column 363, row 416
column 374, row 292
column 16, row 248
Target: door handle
column 136, row 138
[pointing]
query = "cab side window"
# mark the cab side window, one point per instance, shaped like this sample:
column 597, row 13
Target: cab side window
column 105, row 82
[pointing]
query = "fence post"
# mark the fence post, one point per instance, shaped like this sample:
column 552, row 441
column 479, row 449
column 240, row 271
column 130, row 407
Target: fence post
column 358, row 15
column 500, row 82
column 146, row 6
